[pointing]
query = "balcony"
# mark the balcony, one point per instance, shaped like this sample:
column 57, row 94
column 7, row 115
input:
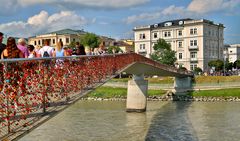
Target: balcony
column 193, row 59
column 193, row 47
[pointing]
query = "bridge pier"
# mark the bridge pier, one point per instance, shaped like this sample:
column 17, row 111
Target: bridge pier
column 182, row 85
column 137, row 94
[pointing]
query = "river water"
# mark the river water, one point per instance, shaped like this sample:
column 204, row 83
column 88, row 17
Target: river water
column 163, row 121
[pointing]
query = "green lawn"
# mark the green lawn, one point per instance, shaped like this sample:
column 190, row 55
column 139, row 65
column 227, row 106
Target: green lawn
column 109, row 92
column 198, row 79
column 217, row 93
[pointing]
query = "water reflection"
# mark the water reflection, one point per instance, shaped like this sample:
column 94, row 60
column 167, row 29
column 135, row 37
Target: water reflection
column 94, row 120
column 171, row 123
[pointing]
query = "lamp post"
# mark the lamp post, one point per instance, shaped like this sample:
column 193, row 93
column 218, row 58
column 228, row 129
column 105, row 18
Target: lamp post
column 224, row 62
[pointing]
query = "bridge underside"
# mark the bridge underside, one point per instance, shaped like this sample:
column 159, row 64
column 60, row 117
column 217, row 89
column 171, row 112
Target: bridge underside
column 139, row 68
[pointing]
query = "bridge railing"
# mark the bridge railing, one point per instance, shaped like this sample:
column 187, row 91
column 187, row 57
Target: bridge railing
column 29, row 87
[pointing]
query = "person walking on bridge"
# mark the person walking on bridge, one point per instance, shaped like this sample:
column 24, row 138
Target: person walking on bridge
column 22, row 46
column 2, row 47
column 46, row 50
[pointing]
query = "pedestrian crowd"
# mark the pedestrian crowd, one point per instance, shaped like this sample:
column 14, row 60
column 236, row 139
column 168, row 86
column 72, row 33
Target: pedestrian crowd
column 20, row 49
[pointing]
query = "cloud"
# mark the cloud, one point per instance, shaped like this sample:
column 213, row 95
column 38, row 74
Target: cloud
column 207, row 6
column 178, row 12
column 12, row 6
column 195, row 9
column 43, row 22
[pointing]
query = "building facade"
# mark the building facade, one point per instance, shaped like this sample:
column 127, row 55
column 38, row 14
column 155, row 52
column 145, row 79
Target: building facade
column 66, row 36
column 196, row 42
column 233, row 52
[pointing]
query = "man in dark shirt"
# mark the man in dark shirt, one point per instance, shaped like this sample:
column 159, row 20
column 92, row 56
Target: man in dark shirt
column 2, row 46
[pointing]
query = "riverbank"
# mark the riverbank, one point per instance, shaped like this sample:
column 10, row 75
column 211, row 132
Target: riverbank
column 200, row 83
column 120, row 94
column 198, row 79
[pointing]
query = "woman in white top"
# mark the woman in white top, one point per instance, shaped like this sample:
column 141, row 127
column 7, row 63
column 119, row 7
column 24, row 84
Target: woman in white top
column 32, row 53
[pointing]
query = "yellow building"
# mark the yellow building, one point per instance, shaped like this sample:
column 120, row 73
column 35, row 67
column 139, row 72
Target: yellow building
column 66, row 36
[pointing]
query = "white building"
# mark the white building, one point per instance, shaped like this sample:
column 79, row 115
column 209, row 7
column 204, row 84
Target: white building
column 195, row 41
column 233, row 52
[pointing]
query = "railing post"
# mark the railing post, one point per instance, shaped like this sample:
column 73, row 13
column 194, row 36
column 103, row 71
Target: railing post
column 8, row 115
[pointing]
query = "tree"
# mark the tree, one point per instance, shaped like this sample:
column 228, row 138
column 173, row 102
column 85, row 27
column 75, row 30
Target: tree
column 197, row 70
column 116, row 48
column 90, row 40
column 72, row 44
column 163, row 53
column 229, row 65
column 218, row 64
column 237, row 64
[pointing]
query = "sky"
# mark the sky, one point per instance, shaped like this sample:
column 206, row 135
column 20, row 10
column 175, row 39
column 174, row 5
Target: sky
column 112, row 18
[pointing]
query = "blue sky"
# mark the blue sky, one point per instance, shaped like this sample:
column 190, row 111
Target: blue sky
column 113, row 18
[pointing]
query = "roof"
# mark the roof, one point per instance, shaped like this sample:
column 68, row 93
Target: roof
column 67, row 31
column 121, row 43
column 171, row 23
column 178, row 22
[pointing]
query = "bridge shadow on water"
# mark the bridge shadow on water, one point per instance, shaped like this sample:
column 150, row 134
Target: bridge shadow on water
column 171, row 123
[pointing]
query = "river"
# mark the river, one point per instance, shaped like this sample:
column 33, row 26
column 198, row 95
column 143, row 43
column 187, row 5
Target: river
column 163, row 121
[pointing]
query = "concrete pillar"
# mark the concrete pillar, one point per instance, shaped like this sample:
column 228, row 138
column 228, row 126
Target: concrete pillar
column 182, row 85
column 137, row 94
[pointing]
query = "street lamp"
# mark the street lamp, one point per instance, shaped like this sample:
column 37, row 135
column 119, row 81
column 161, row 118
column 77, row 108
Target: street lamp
column 224, row 61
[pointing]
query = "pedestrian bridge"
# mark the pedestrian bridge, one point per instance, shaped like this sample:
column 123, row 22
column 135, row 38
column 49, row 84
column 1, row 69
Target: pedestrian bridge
column 33, row 90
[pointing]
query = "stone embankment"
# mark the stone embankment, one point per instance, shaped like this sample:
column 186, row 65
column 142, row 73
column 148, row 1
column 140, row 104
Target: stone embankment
column 172, row 97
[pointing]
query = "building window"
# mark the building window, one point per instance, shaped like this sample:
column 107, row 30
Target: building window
column 193, row 31
column 193, row 43
column 155, row 35
column 193, row 55
column 74, row 39
column 167, row 34
column 180, row 33
column 193, row 66
column 142, row 36
column 53, row 41
column 67, row 40
column 180, row 56
column 35, row 43
column 180, row 44
column 142, row 46
column 39, row 42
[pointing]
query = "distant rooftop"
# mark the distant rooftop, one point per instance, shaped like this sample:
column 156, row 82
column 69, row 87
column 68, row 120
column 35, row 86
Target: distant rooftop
column 178, row 22
column 171, row 23
column 67, row 31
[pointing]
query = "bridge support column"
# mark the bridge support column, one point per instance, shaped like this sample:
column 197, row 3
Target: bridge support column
column 182, row 85
column 137, row 94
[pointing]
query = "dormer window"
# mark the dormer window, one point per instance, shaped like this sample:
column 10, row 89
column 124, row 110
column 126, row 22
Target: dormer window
column 168, row 24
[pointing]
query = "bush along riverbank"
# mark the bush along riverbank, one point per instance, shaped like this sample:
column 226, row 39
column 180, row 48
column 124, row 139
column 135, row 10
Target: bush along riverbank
column 120, row 94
